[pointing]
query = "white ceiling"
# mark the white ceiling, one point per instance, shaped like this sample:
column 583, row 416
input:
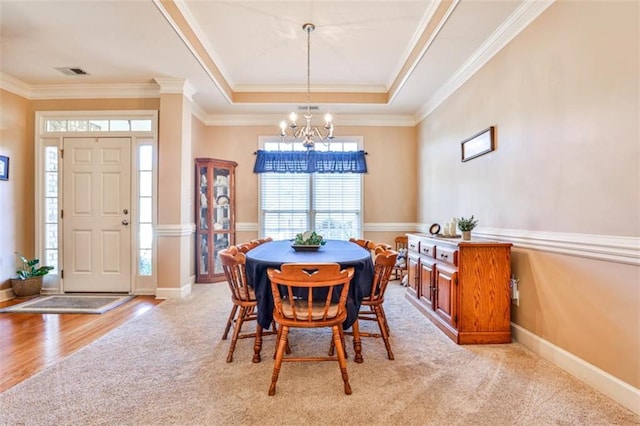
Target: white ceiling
column 395, row 59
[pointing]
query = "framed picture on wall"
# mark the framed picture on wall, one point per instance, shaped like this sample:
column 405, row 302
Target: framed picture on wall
column 4, row 167
column 478, row 144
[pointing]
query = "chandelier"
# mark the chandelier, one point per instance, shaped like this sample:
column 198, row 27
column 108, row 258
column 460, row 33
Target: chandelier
column 307, row 134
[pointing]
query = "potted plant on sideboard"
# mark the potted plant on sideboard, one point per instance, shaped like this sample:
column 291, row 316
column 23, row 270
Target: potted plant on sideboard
column 466, row 226
column 29, row 279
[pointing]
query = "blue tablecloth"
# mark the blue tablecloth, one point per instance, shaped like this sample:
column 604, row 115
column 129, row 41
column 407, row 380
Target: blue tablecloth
column 275, row 253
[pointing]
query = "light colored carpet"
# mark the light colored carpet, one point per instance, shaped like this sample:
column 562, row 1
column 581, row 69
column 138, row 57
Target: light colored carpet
column 168, row 367
column 69, row 304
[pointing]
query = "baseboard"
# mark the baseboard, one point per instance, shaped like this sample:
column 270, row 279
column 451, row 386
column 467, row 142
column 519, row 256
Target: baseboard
column 616, row 389
column 176, row 293
column 6, row 294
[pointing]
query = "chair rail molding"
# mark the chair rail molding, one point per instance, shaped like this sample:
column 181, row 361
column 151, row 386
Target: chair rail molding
column 611, row 248
column 178, row 230
column 247, row 227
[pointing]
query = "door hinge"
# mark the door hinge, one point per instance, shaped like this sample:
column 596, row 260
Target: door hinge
column 61, row 214
column 62, row 153
column 61, row 273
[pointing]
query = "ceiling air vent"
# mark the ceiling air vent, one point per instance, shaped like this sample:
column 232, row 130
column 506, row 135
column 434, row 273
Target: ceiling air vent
column 72, row 71
column 311, row 108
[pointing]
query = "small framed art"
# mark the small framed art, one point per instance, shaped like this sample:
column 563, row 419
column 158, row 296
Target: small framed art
column 478, row 144
column 4, row 167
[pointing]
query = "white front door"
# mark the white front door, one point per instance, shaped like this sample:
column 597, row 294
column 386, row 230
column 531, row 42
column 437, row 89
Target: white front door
column 96, row 215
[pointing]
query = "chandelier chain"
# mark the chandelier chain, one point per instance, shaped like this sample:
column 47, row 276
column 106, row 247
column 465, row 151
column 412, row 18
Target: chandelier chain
column 309, row 28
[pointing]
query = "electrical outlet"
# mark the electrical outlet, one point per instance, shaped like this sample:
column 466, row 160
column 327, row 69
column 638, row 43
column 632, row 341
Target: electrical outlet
column 515, row 293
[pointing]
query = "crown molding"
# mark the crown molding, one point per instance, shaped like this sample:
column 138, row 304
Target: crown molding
column 415, row 39
column 181, row 86
column 173, row 11
column 200, row 35
column 441, row 15
column 343, row 120
column 518, row 21
column 94, row 91
column 275, row 88
column 13, row 85
column 78, row 91
column 198, row 112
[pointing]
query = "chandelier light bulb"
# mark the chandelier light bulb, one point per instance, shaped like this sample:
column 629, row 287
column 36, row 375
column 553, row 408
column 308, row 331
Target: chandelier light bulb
column 293, row 117
column 327, row 119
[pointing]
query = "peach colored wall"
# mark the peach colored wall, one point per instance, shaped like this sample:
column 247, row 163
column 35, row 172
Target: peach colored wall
column 16, row 194
column 389, row 188
column 564, row 97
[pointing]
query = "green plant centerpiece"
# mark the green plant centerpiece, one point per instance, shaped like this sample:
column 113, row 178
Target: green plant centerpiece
column 308, row 238
column 466, row 226
column 29, row 277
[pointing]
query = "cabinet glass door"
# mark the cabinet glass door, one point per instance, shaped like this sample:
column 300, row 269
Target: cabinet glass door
column 221, row 212
column 203, row 261
column 221, row 242
column 203, row 197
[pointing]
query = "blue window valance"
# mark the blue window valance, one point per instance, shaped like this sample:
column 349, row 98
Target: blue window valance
column 310, row 162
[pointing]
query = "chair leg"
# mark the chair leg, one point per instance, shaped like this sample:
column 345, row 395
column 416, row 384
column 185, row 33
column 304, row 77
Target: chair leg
column 384, row 317
column 332, row 346
column 342, row 361
column 232, row 316
column 344, row 346
column 236, row 333
column 383, row 330
column 257, row 344
column 357, row 342
column 282, row 343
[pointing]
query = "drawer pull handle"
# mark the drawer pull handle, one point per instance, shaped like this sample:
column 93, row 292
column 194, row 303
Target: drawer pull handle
column 444, row 255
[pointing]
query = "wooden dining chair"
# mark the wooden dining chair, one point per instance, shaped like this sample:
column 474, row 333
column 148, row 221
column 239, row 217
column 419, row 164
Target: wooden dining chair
column 302, row 296
column 371, row 307
column 262, row 240
column 362, row 243
column 402, row 243
column 372, row 246
column 244, row 307
column 245, row 247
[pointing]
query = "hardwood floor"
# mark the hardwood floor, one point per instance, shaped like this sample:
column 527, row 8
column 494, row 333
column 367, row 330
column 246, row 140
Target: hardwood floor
column 31, row 342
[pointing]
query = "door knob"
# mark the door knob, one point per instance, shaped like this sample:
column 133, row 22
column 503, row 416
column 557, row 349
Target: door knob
column 125, row 211
column 125, row 222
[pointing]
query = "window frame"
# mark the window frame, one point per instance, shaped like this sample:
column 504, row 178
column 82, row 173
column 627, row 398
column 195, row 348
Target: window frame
column 311, row 212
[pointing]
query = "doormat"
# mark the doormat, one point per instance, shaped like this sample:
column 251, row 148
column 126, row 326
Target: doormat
column 68, row 304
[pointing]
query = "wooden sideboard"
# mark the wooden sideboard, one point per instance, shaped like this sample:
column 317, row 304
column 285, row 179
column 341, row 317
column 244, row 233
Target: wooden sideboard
column 462, row 287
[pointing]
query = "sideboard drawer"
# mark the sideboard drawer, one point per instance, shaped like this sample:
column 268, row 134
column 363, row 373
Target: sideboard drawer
column 428, row 250
column 446, row 254
column 414, row 244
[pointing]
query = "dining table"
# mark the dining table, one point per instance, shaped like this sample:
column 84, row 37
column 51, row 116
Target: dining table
column 273, row 254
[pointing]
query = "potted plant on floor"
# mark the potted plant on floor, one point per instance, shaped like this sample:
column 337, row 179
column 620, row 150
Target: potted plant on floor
column 466, row 226
column 29, row 279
